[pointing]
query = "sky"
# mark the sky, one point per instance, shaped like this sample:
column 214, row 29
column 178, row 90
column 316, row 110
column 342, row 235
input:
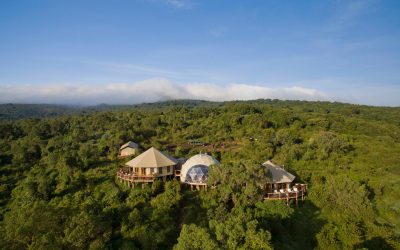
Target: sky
column 132, row 51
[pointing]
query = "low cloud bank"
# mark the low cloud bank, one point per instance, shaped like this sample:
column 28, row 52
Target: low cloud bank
column 150, row 90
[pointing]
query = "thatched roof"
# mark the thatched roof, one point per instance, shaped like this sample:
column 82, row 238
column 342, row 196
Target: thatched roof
column 279, row 175
column 130, row 144
column 151, row 158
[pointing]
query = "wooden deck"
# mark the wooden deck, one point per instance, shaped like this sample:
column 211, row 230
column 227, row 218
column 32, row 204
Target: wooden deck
column 288, row 194
column 134, row 177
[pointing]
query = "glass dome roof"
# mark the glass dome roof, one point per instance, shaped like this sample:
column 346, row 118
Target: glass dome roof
column 197, row 174
column 195, row 169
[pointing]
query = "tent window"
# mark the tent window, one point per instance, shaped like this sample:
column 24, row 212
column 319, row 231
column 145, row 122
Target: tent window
column 168, row 169
column 160, row 170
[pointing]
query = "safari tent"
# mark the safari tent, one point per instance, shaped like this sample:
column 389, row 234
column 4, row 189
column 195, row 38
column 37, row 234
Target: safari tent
column 148, row 166
column 129, row 148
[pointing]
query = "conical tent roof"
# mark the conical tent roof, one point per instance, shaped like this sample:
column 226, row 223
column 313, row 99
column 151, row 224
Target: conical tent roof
column 279, row 175
column 202, row 162
column 151, row 158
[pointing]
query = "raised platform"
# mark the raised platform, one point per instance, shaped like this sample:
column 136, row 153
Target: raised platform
column 288, row 194
column 198, row 186
column 131, row 179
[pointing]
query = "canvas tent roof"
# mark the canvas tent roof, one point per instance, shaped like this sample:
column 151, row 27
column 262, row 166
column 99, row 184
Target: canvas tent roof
column 279, row 175
column 130, row 144
column 151, row 158
column 197, row 160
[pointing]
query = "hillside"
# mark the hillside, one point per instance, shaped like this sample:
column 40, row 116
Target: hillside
column 11, row 111
column 58, row 187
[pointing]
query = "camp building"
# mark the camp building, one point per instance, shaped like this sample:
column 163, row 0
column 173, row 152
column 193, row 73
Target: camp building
column 147, row 167
column 280, row 184
column 195, row 170
column 129, row 148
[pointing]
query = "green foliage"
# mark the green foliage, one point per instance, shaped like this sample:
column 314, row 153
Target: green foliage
column 271, row 210
column 240, row 183
column 347, row 198
column 85, row 230
column 37, row 226
column 343, row 236
column 58, row 188
column 239, row 230
column 196, row 238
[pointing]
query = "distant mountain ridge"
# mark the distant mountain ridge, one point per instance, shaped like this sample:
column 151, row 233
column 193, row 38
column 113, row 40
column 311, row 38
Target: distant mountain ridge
column 14, row 111
column 11, row 111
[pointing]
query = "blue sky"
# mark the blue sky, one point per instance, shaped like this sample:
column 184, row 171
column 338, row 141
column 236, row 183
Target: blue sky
column 95, row 51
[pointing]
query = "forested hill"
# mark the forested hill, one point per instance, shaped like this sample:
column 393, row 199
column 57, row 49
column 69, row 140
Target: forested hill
column 58, row 188
column 11, row 111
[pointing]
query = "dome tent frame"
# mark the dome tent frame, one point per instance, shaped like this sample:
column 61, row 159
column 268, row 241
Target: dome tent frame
column 195, row 170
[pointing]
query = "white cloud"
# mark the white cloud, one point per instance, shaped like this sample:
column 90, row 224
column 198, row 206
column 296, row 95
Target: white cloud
column 151, row 90
column 176, row 3
column 180, row 4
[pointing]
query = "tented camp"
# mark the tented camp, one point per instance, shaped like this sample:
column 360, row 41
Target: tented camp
column 129, row 148
column 148, row 166
column 281, row 186
column 195, row 170
column 280, row 178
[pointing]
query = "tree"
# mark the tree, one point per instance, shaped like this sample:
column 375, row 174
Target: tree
column 85, row 230
column 38, row 226
column 196, row 238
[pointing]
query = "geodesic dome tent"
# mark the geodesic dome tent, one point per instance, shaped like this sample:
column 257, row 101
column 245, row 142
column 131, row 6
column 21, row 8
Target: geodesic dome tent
column 195, row 170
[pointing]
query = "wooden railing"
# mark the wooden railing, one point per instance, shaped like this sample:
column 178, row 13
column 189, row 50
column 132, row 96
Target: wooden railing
column 288, row 194
column 134, row 177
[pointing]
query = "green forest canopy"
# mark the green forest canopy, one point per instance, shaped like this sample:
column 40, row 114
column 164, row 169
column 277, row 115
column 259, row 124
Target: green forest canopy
column 58, row 186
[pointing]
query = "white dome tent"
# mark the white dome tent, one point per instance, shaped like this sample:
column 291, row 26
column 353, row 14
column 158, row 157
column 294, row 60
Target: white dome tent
column 195, row 170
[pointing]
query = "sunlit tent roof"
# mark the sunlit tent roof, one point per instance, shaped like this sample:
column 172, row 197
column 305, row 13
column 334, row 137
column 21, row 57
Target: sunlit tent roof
column 151, row 158
column 130, row 144
column 195, row 170
column 279, row 175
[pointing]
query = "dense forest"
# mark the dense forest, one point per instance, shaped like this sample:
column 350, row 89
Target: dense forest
column 58, row 186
